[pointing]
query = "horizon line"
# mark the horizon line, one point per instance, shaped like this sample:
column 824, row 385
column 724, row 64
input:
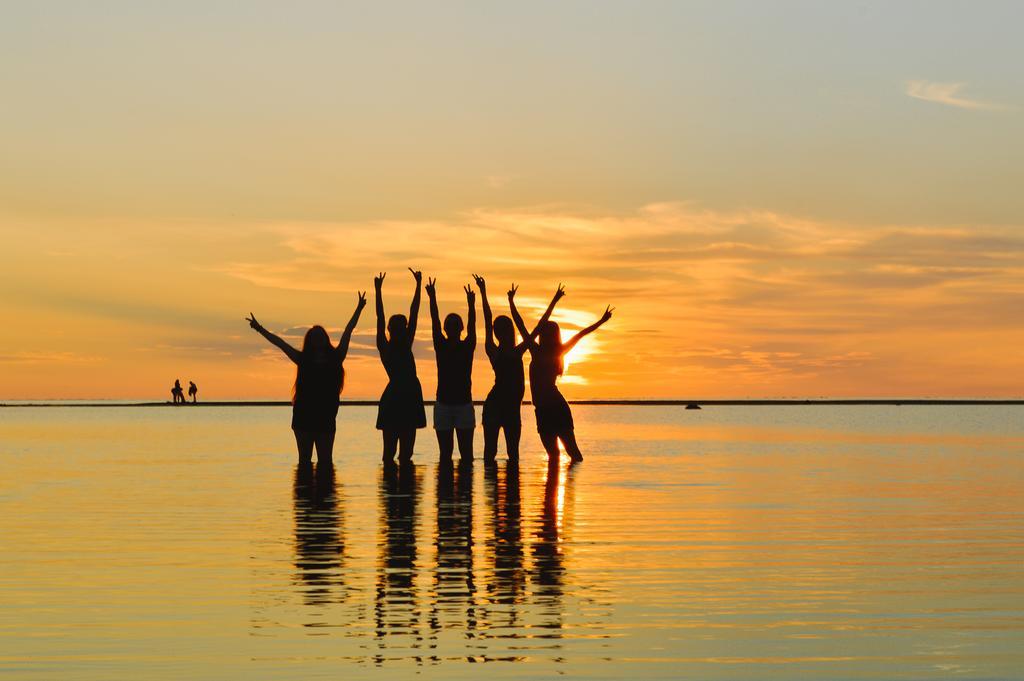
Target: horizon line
column 824, row 401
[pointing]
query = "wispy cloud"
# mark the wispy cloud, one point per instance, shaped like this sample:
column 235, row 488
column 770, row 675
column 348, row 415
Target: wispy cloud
column 948, row 94
column 790, row 305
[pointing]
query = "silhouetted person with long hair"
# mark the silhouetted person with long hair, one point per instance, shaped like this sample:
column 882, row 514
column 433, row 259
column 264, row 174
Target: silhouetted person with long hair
column 503, row 406
column 192, row 391
column 547, row 353
column 319, row 379
column 453, row 411
column 400, row 410
column 177, row 394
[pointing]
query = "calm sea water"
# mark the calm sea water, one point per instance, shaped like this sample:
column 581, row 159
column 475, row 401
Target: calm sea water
column 729, row 543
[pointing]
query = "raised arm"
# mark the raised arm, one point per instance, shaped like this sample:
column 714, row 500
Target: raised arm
column 518, row 319
column 488, row 320
column 471, row 317
column 293, row 354
column 528, row 339
column 559, row 294
column 378, row 283
column 414, row 309
column 346, row 336
column 435, row 316
column 566, row 347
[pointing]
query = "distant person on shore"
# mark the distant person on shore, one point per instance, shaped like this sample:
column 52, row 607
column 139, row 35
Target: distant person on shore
column 503, row 406
column 192, row 391
column 177, row 394
column 453, row 411
column 400, row 411
column 319, row 379
column 547, row 353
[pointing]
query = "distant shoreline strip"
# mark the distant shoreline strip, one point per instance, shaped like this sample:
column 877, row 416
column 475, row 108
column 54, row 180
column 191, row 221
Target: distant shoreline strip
column 614, row 403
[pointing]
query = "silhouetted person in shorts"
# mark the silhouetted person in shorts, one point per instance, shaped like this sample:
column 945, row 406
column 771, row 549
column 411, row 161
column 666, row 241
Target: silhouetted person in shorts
column 453, row 411
column 319, row 379
column 177, row 394
column 400, row 411
column 554, row 418
column 192, row 391
column 503, row 406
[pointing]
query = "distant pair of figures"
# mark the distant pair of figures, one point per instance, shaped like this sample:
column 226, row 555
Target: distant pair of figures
column 178, row 394
column 320, row 374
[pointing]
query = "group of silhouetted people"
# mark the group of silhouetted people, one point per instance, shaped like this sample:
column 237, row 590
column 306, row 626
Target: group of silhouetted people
column 320, row 376
column 178, row 393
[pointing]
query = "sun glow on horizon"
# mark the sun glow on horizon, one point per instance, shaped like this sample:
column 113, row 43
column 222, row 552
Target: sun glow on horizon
column 764, row 227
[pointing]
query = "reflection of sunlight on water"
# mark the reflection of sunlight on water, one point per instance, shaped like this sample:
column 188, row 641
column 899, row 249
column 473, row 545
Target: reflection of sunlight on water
column 560, row 474
column 688, row 545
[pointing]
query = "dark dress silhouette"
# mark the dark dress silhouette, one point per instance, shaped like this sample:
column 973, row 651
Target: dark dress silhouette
column 503, row 406
column 401, row 403
column 553, row 413
column 319, row 378
column 400, row 411
column 554, row 418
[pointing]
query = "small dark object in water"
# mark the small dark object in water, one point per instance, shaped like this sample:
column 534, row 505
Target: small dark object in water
column 693, row 405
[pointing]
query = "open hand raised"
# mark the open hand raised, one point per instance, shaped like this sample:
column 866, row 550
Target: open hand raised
column 417, row 275
column 480, row 283
column 512, row 292
column 431, row 286
column 560, row 293
column 470, row 294
column 378, row 281
column 362, row 300
column 253, row 324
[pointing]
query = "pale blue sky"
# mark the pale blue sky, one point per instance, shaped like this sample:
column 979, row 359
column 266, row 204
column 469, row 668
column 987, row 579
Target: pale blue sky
column 342, row 110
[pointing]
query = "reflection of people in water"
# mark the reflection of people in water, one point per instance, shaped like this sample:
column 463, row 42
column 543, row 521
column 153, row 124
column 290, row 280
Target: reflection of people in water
column 547, row 361
column 548, row 562
column 454, row 595
column 177, row 394
column 319, row 379
column 400, row 411
column 396, row 611
column 503, row 407
column 192, row 391
column 504, row 545
column 453, row 411
column 319, row 545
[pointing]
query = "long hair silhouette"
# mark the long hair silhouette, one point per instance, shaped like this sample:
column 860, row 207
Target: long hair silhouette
column 549, row 335
column 316, row 349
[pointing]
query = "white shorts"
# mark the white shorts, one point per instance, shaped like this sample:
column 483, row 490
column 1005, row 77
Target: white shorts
column 454, row 416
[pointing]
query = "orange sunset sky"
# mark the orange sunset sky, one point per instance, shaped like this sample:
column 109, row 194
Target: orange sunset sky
column 780, row 199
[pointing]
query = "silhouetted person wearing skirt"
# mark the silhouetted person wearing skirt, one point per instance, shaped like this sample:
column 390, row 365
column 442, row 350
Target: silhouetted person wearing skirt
column 554, row 418
column 453, row 410
column 503, row 406
column 400, row 411
column 177, row 394
column 319, row 379
column 192, row 391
